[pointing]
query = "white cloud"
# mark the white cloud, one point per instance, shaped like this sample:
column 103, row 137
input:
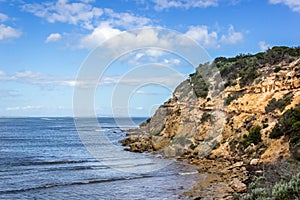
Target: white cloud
column 24, row 108
column 8, row 93
column 103, row 32
column 232, row 37
column 202, row 35
column 263, row 46
column 211, row 39
column 169, row 80
column 82, row 14
column 294, row 5
column 102, row 23
column 2, row 73
column 53, row 37
column 186, row 4
column 3, row 17
column 171, row 62
column 39, row 79
column 126, row 20
column 130, row 40
column 142, row 92
column 8, row 32
column 34, row 78
column 155, row 52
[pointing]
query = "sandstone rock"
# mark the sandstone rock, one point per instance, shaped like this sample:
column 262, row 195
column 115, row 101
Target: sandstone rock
column 235, row 165
column 254, row 161
column 237, row 185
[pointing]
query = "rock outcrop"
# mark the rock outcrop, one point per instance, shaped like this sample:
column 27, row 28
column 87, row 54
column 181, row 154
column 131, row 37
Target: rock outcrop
column 225, row 129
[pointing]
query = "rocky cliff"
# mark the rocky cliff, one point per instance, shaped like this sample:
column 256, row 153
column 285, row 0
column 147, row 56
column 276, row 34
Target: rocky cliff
column 229, row 117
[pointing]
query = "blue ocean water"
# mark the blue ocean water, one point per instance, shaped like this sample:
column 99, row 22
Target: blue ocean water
column 44, row 158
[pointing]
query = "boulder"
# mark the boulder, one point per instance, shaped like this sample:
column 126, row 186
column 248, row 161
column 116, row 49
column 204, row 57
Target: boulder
column 254, row 161
column 237, row 185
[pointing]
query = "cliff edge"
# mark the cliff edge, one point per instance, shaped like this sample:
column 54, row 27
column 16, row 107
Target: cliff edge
column 232, row 122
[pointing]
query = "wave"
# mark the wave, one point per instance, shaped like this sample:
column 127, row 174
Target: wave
column 47, row 119
column 188, row 173
column 56, row 162
column 74, row 183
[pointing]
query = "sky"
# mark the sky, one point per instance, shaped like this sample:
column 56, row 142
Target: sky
column 45, row 45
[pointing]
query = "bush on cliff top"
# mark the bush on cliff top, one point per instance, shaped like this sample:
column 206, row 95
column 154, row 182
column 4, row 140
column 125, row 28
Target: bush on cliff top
column 245, row 66
column 199, row 85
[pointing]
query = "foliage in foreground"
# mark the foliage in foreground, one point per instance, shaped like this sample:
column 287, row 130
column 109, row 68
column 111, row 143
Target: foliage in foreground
column 281, row 191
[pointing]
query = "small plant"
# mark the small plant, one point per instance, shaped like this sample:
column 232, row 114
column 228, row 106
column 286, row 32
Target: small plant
column 265, row 125
column 277, row 69
column 228, row 100
column 205, row 117
column 279, row 104
column 254, row 136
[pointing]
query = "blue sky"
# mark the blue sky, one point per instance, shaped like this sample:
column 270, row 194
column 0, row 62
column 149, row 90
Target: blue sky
column 43, row 45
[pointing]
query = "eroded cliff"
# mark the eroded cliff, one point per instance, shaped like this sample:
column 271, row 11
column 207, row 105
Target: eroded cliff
column 230, row 119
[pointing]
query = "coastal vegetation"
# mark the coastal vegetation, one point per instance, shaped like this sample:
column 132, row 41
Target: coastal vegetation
column 246, row 66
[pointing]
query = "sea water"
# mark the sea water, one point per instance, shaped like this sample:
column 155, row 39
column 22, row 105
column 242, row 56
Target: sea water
column 44, row 158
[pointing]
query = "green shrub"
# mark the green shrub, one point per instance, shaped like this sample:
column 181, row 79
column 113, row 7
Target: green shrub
column 246, row 66
column 281, row 191
column 228, row 100
column 279, row 104
column 276, row 132
column 265, row 125
column 254, row 136
column 289, row 123
column 257, row 193
column 289, row 126
column 287, row 191
column 205, row 117
column 199, row 85
column 277, row 69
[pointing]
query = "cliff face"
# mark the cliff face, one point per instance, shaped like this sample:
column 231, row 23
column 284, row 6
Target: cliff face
column 246, row 115
column 235, row 123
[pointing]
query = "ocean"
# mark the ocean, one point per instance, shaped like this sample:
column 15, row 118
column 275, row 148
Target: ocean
column 45, row 158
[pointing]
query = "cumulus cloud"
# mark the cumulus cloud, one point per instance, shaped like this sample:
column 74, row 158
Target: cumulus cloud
column 202, row 35
column 232, row 37
column 185, row 4
column 82, row 13
column 2, row 73
column 8, row 32
column 263, row 46
column 101, row 23
column 3, row 17
column 103, row 32
column 294, row 5
column 126, row 20
column 53, row 37
column 211, row 39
